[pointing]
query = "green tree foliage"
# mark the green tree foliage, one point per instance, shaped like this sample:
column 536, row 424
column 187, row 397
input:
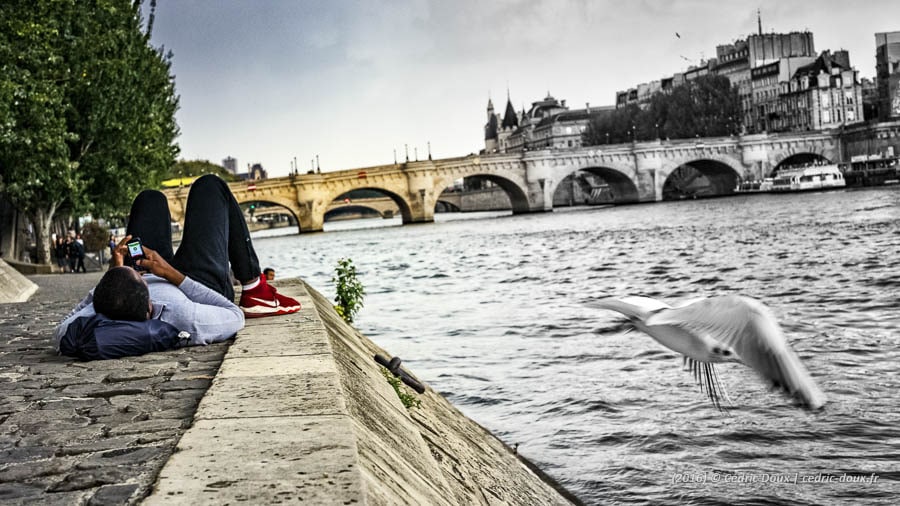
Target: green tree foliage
column 96, row 237
column 87, row 108
column 197, row 168
column 706, row 107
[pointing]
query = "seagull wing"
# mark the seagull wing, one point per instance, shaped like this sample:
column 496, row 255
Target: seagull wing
column 751, row 330
column 635, row 308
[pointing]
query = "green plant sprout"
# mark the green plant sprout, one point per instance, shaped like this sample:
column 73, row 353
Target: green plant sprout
column 349, row 290
column 409, row 400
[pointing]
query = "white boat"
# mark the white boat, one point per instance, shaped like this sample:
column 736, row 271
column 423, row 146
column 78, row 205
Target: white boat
column 815, row 177
column 755, row 186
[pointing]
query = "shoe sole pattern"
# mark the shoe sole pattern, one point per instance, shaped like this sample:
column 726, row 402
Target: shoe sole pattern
column 260, row 311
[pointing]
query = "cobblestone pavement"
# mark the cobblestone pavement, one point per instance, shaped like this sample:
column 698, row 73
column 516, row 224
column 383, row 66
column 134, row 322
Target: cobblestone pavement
column 76, row 432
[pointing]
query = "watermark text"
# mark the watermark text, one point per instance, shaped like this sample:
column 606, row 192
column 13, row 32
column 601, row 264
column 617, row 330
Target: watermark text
column 792, row 478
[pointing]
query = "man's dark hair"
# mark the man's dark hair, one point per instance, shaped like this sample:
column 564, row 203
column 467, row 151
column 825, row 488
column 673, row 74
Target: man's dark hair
column 120, row 295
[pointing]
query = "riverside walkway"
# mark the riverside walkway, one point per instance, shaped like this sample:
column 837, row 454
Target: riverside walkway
column 75, row 432
column 293, row 410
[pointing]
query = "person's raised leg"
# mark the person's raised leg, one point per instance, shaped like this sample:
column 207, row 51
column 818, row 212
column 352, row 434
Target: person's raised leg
column 151, row 221
column 215, row 233
column 205, row 249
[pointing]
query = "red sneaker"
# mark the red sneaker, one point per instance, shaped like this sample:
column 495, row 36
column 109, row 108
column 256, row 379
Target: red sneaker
column 264, row 300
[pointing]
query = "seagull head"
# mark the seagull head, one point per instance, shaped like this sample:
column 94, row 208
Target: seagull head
column 717, row 352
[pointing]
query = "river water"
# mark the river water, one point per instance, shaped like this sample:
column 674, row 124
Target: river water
column 489, row 310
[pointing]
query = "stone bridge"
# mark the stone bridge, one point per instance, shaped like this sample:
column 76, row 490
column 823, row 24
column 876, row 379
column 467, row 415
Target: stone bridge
column 635, row 172
column 385, row 206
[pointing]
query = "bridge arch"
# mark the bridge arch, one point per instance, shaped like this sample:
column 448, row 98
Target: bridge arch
column 177, row 200
column 701, row 177
column 446, row 205
column 798, row 159
column 361, row 210
column 286, row 204
column 620, row 187
column 803, row 151
column 518, row 197
column 403, row 204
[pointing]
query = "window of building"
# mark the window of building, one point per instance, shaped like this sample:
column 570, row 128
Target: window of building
column 848, row 97
column 851, row 115
column 826, row 100
column 826, row 116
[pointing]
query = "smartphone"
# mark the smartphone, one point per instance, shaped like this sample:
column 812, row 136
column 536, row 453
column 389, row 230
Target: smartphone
column 136, row 252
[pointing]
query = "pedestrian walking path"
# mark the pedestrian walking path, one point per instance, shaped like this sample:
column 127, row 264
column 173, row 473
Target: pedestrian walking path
column 73, row 432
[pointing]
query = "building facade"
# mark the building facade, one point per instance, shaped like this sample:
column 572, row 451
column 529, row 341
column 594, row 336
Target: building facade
column 870, row 99
column 491, row 130
column 823, row 94
column 230, row 164
column 755, row 65
column 255, row 172
column 766, row 85
column 887, row 75
column 548, row 124
column 736, row 61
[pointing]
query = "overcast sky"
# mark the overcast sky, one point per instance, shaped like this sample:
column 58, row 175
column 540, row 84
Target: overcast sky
column 267, row 80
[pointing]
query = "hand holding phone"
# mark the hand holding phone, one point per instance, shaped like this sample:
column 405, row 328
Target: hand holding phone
column 136, row 252
column 152, row 262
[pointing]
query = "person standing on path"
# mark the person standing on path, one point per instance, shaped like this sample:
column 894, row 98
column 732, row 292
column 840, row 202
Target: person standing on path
column 61, row 254
column 112, row 245
column 79, row 254
column 71, row 254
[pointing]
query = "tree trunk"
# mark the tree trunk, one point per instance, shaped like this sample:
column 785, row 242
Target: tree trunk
column 41, row 219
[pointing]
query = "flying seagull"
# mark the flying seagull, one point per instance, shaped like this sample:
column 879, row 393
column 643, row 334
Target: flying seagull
column 731, row 328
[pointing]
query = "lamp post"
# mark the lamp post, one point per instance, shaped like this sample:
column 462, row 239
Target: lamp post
column 607, row 137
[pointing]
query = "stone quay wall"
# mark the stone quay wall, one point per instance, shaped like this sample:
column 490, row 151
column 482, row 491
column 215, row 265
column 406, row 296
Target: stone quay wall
column 295, row 409
column 14, row 287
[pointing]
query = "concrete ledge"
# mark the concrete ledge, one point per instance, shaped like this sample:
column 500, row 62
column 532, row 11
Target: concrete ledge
column 14, row 287
column 29, row 269
column 300, row 411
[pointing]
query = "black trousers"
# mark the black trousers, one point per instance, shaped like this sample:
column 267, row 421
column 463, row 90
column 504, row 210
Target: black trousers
column 215, row 234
